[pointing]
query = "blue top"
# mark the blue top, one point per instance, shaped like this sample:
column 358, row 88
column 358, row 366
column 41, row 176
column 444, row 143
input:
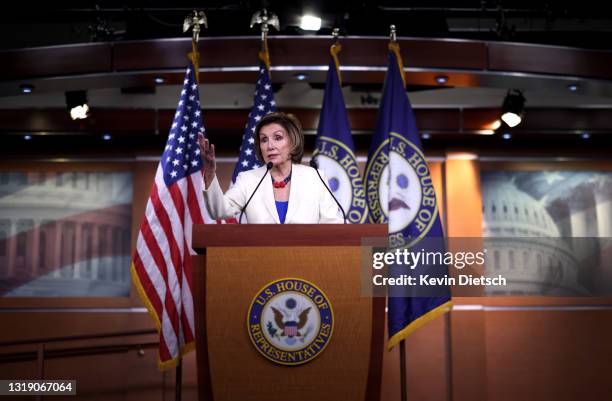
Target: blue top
column 281, row 208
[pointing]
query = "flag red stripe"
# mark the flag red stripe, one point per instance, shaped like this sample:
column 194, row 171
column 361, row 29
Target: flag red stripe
column 179, row 206
column 147, row 286
column 177, row 260
column 166, row 225
column 179, row 203
column 164, row 352
column 154, row 300
column 188, row 329
column 192, row 201
column 156, row 253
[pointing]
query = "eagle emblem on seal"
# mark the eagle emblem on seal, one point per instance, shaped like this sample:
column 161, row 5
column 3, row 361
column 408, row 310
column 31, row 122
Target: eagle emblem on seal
column 286, row 321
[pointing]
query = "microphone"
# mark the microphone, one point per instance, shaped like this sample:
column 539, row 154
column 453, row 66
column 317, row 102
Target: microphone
column 268, row 168
column 313, row 164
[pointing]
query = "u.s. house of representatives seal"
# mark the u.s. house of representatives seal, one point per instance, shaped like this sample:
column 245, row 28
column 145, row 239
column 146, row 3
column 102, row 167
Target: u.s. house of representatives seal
column 343, row 177
column 400, row 191
column 290, row 321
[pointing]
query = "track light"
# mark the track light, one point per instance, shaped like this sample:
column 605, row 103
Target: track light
column 441, row 79
column 310, row 23
column 513, row 108
column 76, row 102
column 26, row 88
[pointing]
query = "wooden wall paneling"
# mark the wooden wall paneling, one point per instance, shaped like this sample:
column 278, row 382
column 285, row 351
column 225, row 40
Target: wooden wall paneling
column 463, row 195
column 549, row 60
column 468, row 343
column 463, row 201
column 548, row 355
column 167, row 54
column 56, row 60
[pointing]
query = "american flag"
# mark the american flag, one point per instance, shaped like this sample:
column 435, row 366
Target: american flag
column 263, row 103
column 161, row 266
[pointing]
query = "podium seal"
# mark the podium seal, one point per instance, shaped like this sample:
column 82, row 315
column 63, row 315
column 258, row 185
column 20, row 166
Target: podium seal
column 290, row 321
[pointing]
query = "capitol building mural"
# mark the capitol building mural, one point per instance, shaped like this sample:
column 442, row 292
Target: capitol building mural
column 545, row 232
column 65, row 233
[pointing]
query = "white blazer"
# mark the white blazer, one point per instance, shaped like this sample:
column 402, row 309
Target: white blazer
column 309, row 201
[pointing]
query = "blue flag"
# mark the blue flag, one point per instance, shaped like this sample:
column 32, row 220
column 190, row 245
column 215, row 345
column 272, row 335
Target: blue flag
column 263, row 103
column 334, row 148
column 400, row 192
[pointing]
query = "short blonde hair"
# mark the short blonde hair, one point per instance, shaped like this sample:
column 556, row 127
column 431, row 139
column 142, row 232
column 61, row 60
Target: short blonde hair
column 294, row 130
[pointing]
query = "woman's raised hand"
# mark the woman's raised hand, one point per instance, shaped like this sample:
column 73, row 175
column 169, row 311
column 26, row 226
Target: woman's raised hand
column 208, row 157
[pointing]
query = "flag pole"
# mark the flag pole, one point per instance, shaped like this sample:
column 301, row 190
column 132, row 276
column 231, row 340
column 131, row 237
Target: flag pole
column 404, row 390
column 265, row 20
column 194, row 22
column 402, row 344
column 191, row 22
column 178, row 380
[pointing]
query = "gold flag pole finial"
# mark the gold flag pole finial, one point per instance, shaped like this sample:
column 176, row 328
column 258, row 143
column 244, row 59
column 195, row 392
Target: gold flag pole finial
column 336, row 34
column 393, row 33
column 194, row 21
column 335, row 48
column 265, row 19
column 395, row 48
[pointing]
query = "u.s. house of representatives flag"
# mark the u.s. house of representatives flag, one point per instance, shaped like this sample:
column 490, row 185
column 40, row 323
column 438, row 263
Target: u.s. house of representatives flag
column 400, row 191
column 334, row 148
column 161, row 266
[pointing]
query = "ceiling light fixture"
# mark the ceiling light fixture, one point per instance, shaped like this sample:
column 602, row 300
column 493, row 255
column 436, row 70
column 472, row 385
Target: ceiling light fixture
column 26, row 88
column 310, row 23
column 300, row 76
column 441, row 79
column 159, row 80
column 495, row 124
column 513, row 109
column 76, row 102
column 573, row 87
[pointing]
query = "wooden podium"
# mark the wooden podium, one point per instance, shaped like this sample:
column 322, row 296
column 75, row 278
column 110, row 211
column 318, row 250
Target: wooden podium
column 233, row 265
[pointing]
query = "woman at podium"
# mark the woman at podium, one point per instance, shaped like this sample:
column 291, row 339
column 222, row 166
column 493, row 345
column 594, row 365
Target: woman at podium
column 283, row 191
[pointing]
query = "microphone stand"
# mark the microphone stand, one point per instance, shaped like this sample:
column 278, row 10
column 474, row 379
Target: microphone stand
column 313, row 164
column 268, row 168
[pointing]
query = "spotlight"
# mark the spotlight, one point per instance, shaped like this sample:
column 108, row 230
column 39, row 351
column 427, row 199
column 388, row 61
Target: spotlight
column 441, row 79
column 513, row 108
column 27, row 137
column 300, row 77
column 425, row 135
column 585, row 135
column 107, row 137
column 310, row 23
column 26, row 88
column 573, row 87
column 159, row 80
column 76, row 101
column 507, row 135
